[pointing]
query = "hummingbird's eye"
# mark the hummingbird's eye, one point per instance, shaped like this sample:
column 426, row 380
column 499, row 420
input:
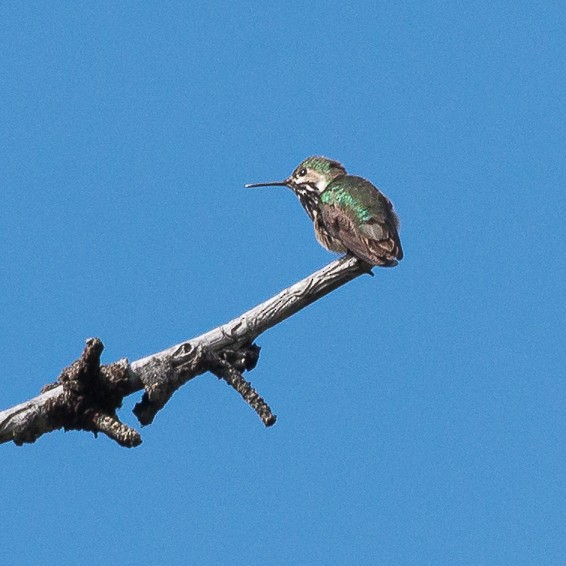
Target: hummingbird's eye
column 302, row 172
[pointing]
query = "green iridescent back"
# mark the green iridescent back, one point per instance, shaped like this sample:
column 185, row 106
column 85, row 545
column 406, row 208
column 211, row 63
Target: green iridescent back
column 356, row 197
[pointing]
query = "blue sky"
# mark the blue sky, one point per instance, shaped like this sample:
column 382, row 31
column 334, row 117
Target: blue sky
column 420, row 412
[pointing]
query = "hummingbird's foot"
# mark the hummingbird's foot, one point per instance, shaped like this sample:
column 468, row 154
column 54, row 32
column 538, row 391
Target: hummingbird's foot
column 363, row 265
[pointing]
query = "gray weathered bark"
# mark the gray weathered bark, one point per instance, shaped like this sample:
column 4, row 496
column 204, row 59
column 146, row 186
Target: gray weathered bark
column 169, row 369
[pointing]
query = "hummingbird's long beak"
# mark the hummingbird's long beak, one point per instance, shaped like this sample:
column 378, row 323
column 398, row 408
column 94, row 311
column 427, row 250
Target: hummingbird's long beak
column 272, row 184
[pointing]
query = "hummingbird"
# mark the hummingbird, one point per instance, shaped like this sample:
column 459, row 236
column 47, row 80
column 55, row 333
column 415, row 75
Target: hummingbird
column 349, row 213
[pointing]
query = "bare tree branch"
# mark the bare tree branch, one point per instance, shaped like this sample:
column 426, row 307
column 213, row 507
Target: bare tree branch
column 87, row 395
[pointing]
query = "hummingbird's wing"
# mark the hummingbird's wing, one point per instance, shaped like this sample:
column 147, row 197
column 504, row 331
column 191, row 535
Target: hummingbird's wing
column 363, row 219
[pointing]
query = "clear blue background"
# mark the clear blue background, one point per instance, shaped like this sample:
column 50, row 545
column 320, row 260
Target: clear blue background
column 421, row 412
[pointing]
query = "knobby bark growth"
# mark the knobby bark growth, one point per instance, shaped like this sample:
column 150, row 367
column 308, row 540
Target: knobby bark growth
column 87, row 395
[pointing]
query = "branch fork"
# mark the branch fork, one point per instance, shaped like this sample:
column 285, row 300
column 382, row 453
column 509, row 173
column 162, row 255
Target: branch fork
column 91, row 395
column 165, row 375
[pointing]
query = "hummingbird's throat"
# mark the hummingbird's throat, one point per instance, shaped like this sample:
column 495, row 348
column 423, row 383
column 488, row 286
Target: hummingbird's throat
column 309, row 197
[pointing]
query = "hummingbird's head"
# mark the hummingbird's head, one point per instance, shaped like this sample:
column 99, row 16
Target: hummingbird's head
column 313, row 175
column 316, row 172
